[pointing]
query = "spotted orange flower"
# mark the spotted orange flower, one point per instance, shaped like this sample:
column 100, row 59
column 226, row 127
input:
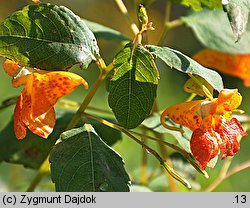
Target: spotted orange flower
column 237, row 65
column 212, row 124
column 34, row 109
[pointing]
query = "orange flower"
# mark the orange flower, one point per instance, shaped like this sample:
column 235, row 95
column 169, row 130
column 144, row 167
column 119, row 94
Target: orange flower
column 42, row 89
column 237, row 65
column 212, row 124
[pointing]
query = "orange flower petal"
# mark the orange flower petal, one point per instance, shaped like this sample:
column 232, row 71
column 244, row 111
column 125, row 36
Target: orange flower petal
column 10, row 67
column 229, row 130
column 48, row 87
column 204, row 146
column 185, row 114
column 42, row 89
column 228, row 100
column 45, row 88
column 19, row 126
column 42, row 125
column 233, row 64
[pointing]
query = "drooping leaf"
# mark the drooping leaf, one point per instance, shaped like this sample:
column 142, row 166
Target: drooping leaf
column 213, row 30
column 103, row 32
column 48, row 37
column 153, row 123
column 32, row 150
column 140, row 60
column 83, row 162
column 237, row 12
column 183, row 63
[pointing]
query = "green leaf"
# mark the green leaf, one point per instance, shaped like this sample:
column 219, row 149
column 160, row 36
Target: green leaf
column 47, row 36
column 211, row 4
column 183, row 63
column 198, row 4
column 195, row 4
column 83, row 162
column 131, row 100
column 237, row 12
column 140, row 60
column 103, row 32
column 132, row 89
column 32, row 150
column 153, row 123
column 214, row 31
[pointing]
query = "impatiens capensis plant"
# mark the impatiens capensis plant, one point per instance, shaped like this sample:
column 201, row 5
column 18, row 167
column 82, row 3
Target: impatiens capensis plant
column 80, row 145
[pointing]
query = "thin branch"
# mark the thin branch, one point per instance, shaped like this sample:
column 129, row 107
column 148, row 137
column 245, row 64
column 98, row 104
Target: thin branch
column 172, row 183
column 124, row 11
column 72, row 105
column 169, row 169
column 8, row 102
column 144, row 163
column 233, row 171
column 168, row 25
column 43, row 171
column 178, row 149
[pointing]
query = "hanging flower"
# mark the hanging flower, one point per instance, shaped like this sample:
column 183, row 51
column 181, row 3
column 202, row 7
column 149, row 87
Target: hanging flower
column 237, row 65
column 34, row 109
column 212, row 124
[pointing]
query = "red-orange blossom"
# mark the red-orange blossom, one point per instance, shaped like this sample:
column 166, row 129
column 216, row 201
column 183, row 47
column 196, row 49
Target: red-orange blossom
column 34, row 109
column 212, row 124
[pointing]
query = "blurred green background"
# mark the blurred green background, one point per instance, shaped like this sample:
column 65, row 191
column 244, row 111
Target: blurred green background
column 170, row 91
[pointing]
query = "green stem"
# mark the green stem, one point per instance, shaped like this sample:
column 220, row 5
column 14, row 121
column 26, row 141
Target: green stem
column 144, row 163
column 202, row 86
column 166, row 22
column 233, row 171
column 124, row 11
column 103, row 73
column 43, row 171
column 191, row 97
column 168, row 168
column 164, row 152
column 224, row 172
column 72, row 105
column 76, row 118
column 8, row 102
column 178, row 149
column 168, row 25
